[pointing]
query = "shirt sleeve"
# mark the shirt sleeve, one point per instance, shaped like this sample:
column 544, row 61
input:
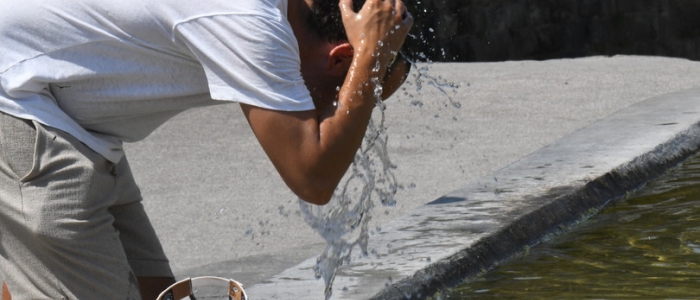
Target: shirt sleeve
column 248, row 58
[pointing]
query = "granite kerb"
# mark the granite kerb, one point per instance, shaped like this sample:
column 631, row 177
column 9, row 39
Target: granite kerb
column 490, row 220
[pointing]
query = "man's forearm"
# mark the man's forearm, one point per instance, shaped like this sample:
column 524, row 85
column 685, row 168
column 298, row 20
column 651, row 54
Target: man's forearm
column 342, row 127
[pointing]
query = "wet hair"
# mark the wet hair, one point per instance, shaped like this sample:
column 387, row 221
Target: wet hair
column 326, row 20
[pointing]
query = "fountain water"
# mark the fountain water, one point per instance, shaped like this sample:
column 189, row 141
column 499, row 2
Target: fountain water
column 344, row 223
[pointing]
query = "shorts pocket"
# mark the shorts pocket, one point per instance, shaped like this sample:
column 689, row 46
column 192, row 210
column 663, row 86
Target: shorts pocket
column 18, row 145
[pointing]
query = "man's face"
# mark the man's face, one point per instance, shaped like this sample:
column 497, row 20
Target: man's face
column 325, row 66
column 324, row 83
column 323, row 74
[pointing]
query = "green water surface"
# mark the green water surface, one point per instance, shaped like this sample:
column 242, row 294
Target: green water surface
column 646, row 247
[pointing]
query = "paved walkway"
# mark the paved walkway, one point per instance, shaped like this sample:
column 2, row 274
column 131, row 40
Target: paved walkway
column 221, row 209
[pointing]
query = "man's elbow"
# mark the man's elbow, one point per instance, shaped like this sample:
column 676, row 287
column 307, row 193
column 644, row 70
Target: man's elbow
column 315, row 196
column 317, row 192
column 312, row 187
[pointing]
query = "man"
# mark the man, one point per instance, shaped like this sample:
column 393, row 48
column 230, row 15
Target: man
column 78, row 78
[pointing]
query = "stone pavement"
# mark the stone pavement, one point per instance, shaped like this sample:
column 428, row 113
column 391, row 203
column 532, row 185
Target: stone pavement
column 221, row 209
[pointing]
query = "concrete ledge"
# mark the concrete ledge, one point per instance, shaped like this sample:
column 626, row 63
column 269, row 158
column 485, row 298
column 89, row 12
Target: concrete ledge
column 472, row 229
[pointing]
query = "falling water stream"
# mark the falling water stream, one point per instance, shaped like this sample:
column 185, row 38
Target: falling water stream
column 369, row 184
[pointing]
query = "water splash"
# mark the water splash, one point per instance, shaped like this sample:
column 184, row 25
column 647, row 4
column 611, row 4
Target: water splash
column 423, row 76
column 344, row 222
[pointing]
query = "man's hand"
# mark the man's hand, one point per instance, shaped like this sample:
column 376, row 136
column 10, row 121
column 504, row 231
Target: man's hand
column 395, row 76
column 378, row 30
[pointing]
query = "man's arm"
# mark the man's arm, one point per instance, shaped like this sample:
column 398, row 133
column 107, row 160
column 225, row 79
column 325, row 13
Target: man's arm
column 312, row 152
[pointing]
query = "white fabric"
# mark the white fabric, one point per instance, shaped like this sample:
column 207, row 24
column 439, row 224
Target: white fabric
column 112, row 71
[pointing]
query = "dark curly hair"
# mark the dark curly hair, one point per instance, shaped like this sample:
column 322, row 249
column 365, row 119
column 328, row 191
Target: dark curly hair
column 326, row 20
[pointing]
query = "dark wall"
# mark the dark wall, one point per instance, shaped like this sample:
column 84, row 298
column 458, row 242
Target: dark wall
column 497, row 30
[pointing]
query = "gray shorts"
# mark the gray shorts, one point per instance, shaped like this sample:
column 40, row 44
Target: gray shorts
column 72, row 224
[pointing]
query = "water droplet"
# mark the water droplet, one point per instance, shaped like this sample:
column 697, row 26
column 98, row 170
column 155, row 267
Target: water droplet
column 376, row 68
column 380, row 43
column 431, row 30
column 417, row 103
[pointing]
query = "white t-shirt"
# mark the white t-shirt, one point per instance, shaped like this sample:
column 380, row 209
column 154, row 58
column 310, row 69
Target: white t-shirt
column 112, row 71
